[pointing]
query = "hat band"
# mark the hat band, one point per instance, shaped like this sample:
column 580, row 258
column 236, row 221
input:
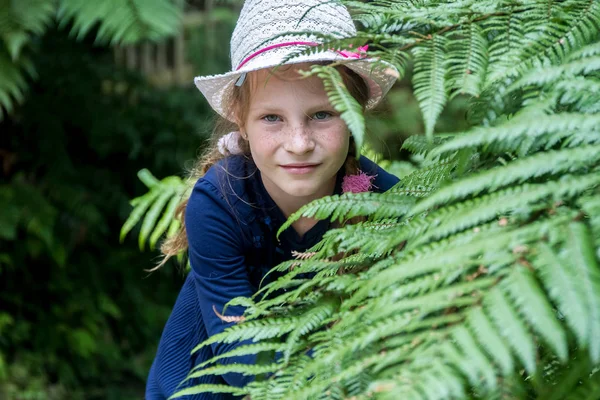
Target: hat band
column 274, row 46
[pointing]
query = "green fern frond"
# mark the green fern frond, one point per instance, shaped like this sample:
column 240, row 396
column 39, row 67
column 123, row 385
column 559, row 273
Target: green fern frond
column 531, row 303
column 21, row 19
column 521, row 128
column 581, row 92
column 505, row 47
column 582, row 259
column 489, row 339
column 511, row 327
column 349, row 205
column 560, row 284
column 243, row 369
column 343, row 102
column 120, row 22
column 482, row 368
column 467, row 60
column 165, row 221
column 13, row 84
column 429, row 80
column 167, row 192
column 470, row 213
column 554, row 74
column 590, row 50
column 421, row 145
column 309, row 322
column 591, row 206
column 581, row 31
column 256, row 330
column 254, row 348
column 535, row 166
column 208, row 388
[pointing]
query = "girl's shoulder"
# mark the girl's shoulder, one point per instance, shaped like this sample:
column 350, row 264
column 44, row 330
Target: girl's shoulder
column 383, row 179
column 227, row 186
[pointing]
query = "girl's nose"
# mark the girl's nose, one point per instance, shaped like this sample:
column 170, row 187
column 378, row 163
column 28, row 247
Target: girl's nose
column 299, row 139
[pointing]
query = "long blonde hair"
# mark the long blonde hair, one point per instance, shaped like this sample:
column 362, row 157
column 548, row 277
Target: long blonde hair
column 238, row 105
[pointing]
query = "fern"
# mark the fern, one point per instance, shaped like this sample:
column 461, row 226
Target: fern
column 114, row 21
column 167, row 192
column 468, row 60
column 344, row 103
column 429, row 80
column 120, row 22
column 349, row 205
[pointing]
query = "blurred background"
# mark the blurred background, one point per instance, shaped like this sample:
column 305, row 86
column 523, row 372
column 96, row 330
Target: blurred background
column 90, row 94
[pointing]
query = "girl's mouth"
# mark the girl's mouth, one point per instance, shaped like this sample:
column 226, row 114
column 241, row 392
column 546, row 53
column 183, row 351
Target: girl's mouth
column 299, row 169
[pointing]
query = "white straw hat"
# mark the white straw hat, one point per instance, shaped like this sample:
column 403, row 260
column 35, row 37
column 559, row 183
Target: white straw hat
column 256, row 44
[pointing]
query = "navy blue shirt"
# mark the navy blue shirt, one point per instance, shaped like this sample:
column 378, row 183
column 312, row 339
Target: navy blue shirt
column 231, row 223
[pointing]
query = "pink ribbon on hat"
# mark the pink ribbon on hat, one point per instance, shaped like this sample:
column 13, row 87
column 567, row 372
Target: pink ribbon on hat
column 361, row 52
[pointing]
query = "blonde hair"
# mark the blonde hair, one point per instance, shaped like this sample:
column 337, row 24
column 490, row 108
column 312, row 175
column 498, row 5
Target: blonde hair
column 238, row 104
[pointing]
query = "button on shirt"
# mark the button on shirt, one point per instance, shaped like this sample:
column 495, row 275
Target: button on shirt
column 231, row 223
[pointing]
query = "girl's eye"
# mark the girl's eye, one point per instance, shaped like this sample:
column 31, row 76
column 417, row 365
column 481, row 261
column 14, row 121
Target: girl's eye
column 321, row 115
column 271, row 118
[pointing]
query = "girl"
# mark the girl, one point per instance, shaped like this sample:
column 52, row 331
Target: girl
column 289, row 147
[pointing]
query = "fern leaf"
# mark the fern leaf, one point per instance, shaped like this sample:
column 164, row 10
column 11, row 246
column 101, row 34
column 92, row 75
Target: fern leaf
column 256, row 330
column 562, row 288
column 538, row 165
column 309, row 322
column 553, row 74
column 533, row 306
column 121, row 22
column 490, row 340
column 243, row 369
column 20, row 19
column 464, row 215
column 165, row 220
column 351, row 111
column 475, row 357
column 429, row 80
column 151, row 216
column 13, row 84
column 140, row 204
column 208, row 388
column 349, row 205
column 509, row 325
column 508, row 35
column 580, row 250
column 521, row 128
column 247, row 349
column 467, row 60
column 147, row 178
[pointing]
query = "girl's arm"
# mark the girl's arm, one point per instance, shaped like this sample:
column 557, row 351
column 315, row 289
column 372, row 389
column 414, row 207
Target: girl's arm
column 218, row 265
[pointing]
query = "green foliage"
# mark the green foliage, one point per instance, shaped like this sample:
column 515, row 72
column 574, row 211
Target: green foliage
column 349, row 109
column 165, row 194
column 79, row 316
column 112, row 21
column 478, row 275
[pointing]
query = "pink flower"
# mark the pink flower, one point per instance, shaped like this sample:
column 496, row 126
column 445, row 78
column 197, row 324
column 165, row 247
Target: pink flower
column 358, row 183
column 361, row 52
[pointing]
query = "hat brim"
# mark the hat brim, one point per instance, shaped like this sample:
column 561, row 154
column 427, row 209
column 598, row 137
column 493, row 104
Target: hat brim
column 379, row 75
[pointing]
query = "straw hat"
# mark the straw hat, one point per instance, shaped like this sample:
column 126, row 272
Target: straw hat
column 255, row 45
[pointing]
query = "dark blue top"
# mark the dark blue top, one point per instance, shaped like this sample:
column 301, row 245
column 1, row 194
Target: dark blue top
column 231, row 222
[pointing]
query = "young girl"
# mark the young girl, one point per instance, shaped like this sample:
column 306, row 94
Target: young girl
column 288, row 147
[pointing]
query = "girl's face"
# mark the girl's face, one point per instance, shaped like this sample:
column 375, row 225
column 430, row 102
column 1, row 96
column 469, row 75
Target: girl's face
column 297, row 139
